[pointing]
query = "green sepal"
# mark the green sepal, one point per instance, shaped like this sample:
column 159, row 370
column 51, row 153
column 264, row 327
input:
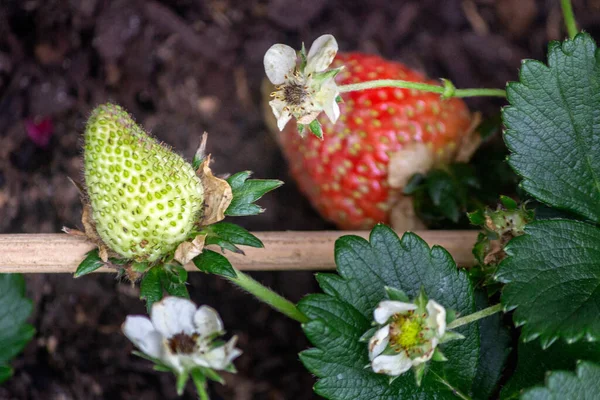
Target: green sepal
column 90, row 263
column 508, row 203
column 419, row 371
column 450, row 315
column 303, row 59
column 227, row 235
column 140, row 267
column 438, row 355
column 421, row 300
column 200, row 383
column 396, row 294
column 477, row 217
column 182, row 380
column 214, row 263
column 246, row 191
column 368, row 334
column 450, row 336
column 301, row 129
column 320, row 77
column 151, row 288
column 212, row 375
column 315, row 128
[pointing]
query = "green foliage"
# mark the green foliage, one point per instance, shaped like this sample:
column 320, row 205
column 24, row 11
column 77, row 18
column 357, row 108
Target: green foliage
column 246, row 192
column 15, row 333
column 552, row 277
column 444, row 193
column 227, row 235
column 534, row 362
column 552, row 130
column 160, row 279
column 341, row 316
column 90, row 263
column 214, row 263
column 566, row 385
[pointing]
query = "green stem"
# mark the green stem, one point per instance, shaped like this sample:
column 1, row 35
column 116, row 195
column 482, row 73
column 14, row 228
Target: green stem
column 467, row 319
column 268, row 296
column 569, row 17
column 424, row 87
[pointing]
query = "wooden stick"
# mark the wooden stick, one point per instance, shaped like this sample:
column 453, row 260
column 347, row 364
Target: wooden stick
column 284, row 251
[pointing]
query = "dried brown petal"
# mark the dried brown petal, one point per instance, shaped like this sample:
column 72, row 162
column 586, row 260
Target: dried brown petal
column 186, row 251
column 217, row 195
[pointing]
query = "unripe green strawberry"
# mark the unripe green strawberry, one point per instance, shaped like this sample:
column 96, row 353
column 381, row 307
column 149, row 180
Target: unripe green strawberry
column 145, row 199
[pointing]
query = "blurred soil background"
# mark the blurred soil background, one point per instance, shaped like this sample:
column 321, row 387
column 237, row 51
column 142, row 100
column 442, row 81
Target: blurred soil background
column 183, row 67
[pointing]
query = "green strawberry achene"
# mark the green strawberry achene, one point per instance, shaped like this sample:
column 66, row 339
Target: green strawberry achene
column 145, row 199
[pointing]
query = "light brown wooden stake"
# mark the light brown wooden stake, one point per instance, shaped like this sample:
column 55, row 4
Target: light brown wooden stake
column 284, row 251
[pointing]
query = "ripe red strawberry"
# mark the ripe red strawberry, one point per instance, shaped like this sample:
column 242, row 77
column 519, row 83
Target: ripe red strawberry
column 346, row 175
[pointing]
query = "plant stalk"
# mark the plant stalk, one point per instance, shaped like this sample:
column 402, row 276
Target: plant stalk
column 268, row 296
column 424, row 87
column 467, row 319
column 569, row 18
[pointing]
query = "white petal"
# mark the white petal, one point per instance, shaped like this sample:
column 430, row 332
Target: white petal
column 437, row 317
column 427, row 356
column 207, row 321
column 219, row 358
column 283, row 119
column 321, row 54
column 327, row 98
column 277, row 106
column 141, row 332
column 174, row 361
column 279, row 61
column 387, row 308
column 391, row 365
column 173, row 315
column 379, row 342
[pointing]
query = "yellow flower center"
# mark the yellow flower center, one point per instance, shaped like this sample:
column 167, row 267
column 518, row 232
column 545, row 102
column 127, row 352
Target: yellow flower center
column 406, row 331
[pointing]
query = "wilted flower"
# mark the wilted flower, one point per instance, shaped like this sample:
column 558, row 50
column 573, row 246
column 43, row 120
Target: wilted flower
column 303, row 91
column 408, row 336
column 181, row 336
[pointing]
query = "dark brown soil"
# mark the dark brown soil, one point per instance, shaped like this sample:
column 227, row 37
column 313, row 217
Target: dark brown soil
column 183, row 67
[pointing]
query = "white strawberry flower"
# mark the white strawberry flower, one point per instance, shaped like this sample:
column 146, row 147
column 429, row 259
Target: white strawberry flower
column 303, row 91
column 407, row 336
column 182, row 336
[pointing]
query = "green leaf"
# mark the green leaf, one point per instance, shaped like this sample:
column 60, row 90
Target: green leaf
column 15, row 308
column 552, row 127
column 214, row 263
column 495, row 342
column 566, row 385
column 534, row 362
column 246, row 192
column 90, row 263
column 5, row 373
column 341, row 316
column 552, row 277
column 227, row 235
column 151, row 288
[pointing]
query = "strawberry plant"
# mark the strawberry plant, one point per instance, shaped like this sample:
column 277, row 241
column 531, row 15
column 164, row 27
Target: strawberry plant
column 399, row 319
